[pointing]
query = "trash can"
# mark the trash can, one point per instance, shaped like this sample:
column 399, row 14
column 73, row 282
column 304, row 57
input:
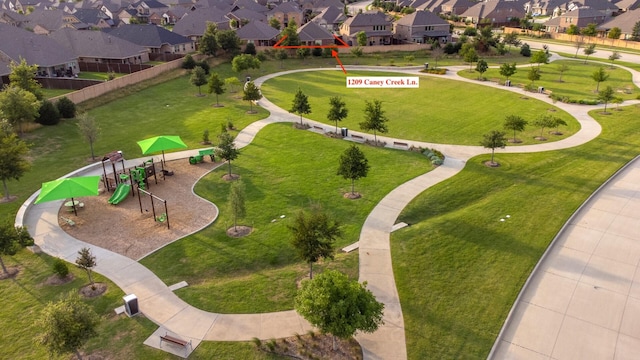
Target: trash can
column 507, row 83
column 426, row 66
column 344, row 132
column 541, row 89
column 131, row 305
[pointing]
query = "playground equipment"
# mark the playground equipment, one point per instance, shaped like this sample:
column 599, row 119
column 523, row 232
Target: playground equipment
column 112, row 157
column 122, row 191
column 162, row 218
column 200, row 157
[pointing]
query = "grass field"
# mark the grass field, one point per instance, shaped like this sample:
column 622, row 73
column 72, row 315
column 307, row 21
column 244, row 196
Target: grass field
column 434, row 113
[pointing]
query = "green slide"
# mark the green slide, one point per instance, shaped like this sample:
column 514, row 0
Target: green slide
column 121, row 193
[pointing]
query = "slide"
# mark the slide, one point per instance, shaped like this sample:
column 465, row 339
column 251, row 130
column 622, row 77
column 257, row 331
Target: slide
column 121, row 193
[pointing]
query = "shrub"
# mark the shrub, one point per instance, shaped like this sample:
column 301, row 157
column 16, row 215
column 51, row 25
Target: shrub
column 188, row 62
column 525, row 50
column 250, row 49
column 204, row 65
column 257, row 342
column 60, row 268
column 48, row 114
column 66, row 108
column 262, row 56
column 317, row 52
column 326, row 52
column 111, row 75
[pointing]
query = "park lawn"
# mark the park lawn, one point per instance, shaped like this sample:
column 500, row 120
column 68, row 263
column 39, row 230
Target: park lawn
column 284, row 170
column 577, row 83
column 459, row 269
column 433, row 113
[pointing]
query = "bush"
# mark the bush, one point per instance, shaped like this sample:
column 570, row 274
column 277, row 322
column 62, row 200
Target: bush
column 48, row 114
column 262, row 56
column 60, row 268
column 317, row 52
column 66, row 108
column 204, row 65
column 250, row 49
column 326, row 52
column 188, row 62
column 525, row 50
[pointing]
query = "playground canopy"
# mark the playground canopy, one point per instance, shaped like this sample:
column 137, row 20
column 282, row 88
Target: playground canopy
column 69, row 188
column 161, row 143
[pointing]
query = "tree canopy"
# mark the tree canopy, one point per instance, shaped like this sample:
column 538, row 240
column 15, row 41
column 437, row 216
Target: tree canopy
column 374, row 118
column 18, row 106
column 493, row 140
column 300, row 104
column 86, row 261
column 507, row 70
column 13, row 153
column 337, row 110
column 599, row 76
column 353, row 165
column 515, row 123
column 208, row 42
column 24, row 76
column 216, row 86
column 244, row 62
column 606, row 96
column 12, row 239
column 251, row 93
column 291, row 33
column 198, row 78
column 89, row 130
column 227, row 149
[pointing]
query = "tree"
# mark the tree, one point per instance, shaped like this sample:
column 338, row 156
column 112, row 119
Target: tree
column 492, row 140
column 274, row 23
column 66, row 107
column 339, row 306
column 313, row 235
column 533, row 74
column 198, row 78
column 86, row 261
column 208, row 42
column 353, row 165
column 300, row 104
column 13, row 152
column 481, row 67
column 66, row 325
column 216, row 86
column 357, row 52
column 337, row 110
column 614, row 33
column 589, row 50
column 556, row 122
column 374, row 118
column 251, row 93
column 511, row 39
column 573, row 29
column 525, row 50
column 606, row 96
column 515, row 123
column 250, row 49
column 590, row 30
column 508, row 70
column 227, row 149
column 236, row 205
column 614, row 56
column 12, row 239
column 361, row 38
column 543, row 122
column 469, row 54
column 539, row 57
column 484, row 40
column 561, row 69
column 23, row 76
column 578, row 44
column 280, row 54
column 48, row 113
column 18, row 106
column 302, row 53
column 228, row 41
column 188, row 62
column 244, row 62
column 291, row 33
column 599, row 76
column 89, row 130
column 437, row 54
column 233, row 83
column 635, row 32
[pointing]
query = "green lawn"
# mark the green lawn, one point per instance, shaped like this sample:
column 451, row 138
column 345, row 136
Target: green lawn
column 92, row 75
column 576, row 83
column 51, row 93
column 434, row 113
column 459, row 269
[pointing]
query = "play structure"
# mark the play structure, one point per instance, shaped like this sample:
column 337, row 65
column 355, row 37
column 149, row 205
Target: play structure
column 122, row 182
column 122, row 191
column 200, row 157
column 161, row 217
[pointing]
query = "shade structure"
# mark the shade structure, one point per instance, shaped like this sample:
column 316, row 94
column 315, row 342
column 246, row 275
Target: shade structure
column 161, row 143
column 69, row 188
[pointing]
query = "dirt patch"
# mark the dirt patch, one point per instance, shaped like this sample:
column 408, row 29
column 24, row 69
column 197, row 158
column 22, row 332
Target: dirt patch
column 10, row 274
column 127, row 230
column 540, row 138
column 239, row 231
column 57, row 280
column 313, row 346
column 230, row 177
column 93, row 290
column 491, row 164
column 515, row 141
column 352, row 195
column 9, row 199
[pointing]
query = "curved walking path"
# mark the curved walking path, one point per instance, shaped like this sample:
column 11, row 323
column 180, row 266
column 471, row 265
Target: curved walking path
column 172, row 314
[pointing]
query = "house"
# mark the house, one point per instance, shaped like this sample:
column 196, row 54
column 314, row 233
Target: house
column 422, row 27
column 258, row 33
column 194, row 23
column 625, row 22
column 98, row 46
column 580, row 17
column 43, row 22
column 11, row 18
column 626, row 5
column 542, row 7
column 330, row 18
column 605, row 6
column 175, row 13
column 456, row 7
column 93, row 18
column 374, row 24
column 286, row 12
column 494, row 12
column 435, row 6
column 145, row 8
column 156, row 39
column 52, row 58
column 313, row 34
column 125, row 16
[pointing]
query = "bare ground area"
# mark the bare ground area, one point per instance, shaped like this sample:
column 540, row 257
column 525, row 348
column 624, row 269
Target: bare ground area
column 125, row 230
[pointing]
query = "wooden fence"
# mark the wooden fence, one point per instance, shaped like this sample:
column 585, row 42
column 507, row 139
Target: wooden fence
column 625, row 44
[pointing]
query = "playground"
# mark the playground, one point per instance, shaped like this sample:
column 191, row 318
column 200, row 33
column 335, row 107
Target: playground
column 123, row 229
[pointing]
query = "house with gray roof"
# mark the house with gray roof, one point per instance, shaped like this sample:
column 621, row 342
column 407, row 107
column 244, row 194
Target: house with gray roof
column 374, row 24
column 581, row 17
column 626, row 5
column 456, row 7
column 93, row 18
column 625, row 22
column 44, row 22
column 155, row 38
column 194, row 23
column 313, row 34
column 421, row 27
column 330, row 18
column 52, row 58
column 286, row 12
column 495, row 12
column 258, row 33
column 100, row 47
column 12, row 18
column 542, row 7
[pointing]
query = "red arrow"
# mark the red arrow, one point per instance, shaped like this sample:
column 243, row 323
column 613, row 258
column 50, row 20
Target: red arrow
column 335, row 55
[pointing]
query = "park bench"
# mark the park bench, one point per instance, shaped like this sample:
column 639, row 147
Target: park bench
column 200, row 157
column 357, row 137
column 173, row 340
column 397, row 143
column 320, row 128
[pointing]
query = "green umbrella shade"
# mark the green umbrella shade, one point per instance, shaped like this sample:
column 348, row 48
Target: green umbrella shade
column 68, row 188
column 161, row 143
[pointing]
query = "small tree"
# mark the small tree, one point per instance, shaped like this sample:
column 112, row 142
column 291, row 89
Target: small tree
column 339, row 306
column 614, row 56
column 251, row 93
column 337, row 110
column 533, row 74
column 86, row 261
column 357, row 52
column 437, row 54
column 208, row 43
column 481, row 67
column 244, row 62
column 543, row 122
column 562, row 68
column 18, row 106
column 48, row 114
column 188, row 62
column 589, row 50
column 374, row 118
column 525, row 50
column 229, row 41
column 227, row 149
column 606, row 96
column 66, row 325
column 511, row 39
column 599, row 76
column 291, row 33
column 300, row 104
column 556, row 125
column 233, row 83
column 89, row 130
column 13, row 152
column 635, row 32
column 281, row 54
column 236, row 202
column 66, row 107
column 469, row 54
column 314, row 234
column 573, row 29
column 577, row 44
column 353, row 165
column 507, row 70
column 250, row 49
column 23, row 76
column 590, row 30
column 614, row 33
column 540, row 57
column 361, row 38
column 216, row 86
column 274, row 23
column 12, row 239
column 617, row 100
column 515, row 123
column 198, row 78
column 493, row 140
